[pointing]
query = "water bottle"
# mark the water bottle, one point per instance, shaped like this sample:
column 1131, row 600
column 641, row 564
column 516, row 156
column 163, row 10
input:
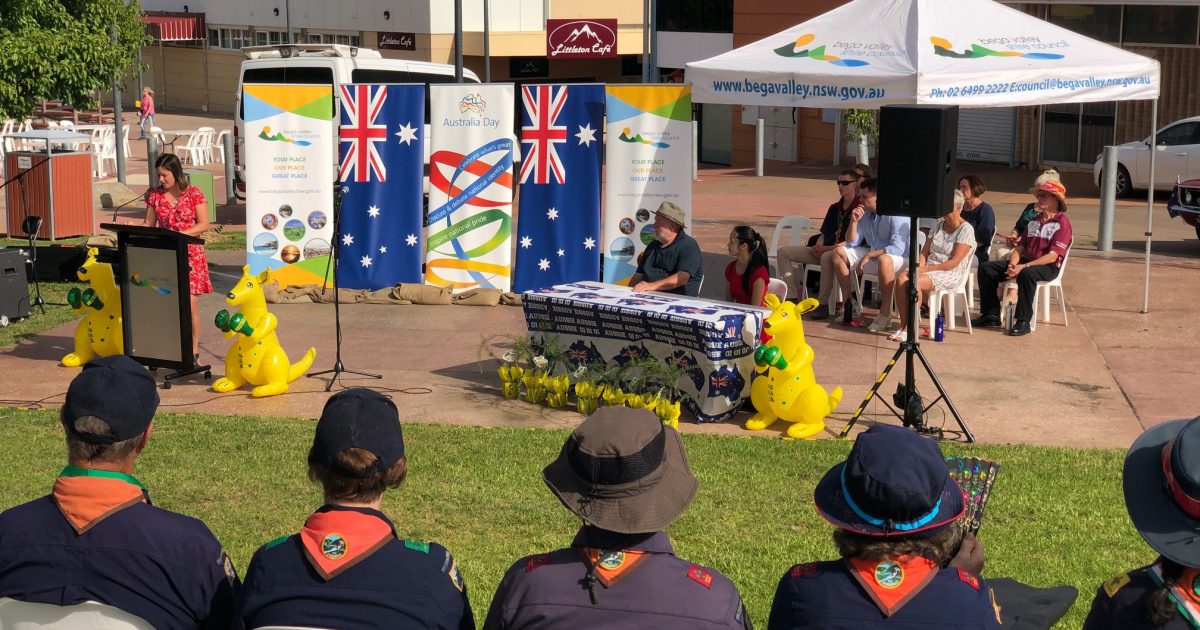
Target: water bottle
column 939, row 330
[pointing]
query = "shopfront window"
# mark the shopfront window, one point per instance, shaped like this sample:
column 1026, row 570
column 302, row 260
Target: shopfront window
column 1102, row 22
column 1158, row 24
column 695, row 16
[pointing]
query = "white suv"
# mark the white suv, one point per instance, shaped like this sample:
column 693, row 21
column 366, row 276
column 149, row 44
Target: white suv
column 1178, row 158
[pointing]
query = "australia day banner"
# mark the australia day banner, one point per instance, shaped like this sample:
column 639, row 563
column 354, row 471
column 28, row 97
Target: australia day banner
column 289, row 136
column 469, row 225
column 381, row 166
column 558, row 222
column 648, row 161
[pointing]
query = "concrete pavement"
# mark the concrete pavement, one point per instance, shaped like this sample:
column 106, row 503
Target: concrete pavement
column 1097, row 381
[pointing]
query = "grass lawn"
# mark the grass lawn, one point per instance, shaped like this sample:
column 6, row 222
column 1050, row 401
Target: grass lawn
column 1056, row 517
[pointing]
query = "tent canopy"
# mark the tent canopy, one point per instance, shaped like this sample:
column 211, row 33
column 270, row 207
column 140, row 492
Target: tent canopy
column 970, row 53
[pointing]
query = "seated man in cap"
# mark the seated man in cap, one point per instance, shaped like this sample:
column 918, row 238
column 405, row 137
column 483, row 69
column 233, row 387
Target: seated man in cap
column 625, row 475
column 347, row 568
column 1162, row 495
column 896, row 509
column 672, row 261
column 97, row 537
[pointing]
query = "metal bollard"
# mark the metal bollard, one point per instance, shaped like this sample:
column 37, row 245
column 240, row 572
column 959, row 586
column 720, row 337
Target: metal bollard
column 151, row 159
column 759, row 134
column 1108, row 199
column 229, row 173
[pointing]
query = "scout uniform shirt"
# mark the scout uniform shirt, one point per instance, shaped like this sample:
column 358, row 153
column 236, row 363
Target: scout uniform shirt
column 98, row 538
column 637, row 583
column 1121, row 601
column 346, row 569
column 909, row 593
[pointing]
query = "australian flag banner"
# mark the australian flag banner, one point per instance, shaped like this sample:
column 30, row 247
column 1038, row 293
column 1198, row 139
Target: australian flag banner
column 558, row 220
column 380, row 170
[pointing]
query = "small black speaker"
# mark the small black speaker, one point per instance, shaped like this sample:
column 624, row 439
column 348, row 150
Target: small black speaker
column 14, row 288
column 57, row 263
column 917, row 145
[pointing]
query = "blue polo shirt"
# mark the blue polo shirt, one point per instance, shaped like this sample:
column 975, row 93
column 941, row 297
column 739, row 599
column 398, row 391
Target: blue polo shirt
column 97, row 537
column 876, row 231
column 346, row 569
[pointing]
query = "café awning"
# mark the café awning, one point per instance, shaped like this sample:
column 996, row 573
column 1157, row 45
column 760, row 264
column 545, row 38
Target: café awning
column 166, row 26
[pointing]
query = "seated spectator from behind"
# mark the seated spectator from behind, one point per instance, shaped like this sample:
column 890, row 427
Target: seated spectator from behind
column 1162, row 495
column 626, row 477
column 347, row 568
column 746, row 276
column 978, row 213
column 822, row 248
column 672, row 261
column 878, row 245
column 96, row 536
column 905, row 560
column 1037, row 258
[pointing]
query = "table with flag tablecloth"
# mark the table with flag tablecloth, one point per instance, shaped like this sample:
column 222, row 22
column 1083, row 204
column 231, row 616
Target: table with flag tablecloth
column 598, row 322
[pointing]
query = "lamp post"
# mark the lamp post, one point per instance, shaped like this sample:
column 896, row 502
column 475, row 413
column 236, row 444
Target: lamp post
column 458, row 42
column 487, row 43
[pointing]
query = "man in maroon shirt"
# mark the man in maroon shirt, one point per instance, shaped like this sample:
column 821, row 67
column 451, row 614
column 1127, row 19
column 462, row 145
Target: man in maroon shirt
column 1037, row 258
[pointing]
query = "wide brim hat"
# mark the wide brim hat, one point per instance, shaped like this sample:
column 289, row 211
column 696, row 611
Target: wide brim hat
column 672, row 212
column 894, row 483
column 1158, row 502
column 622, row 470
column 1054, row 187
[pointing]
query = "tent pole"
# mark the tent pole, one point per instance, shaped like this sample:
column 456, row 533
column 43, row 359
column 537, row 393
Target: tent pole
column 1150, row 202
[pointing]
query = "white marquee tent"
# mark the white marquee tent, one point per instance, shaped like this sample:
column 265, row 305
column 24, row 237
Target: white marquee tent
column 970, row 53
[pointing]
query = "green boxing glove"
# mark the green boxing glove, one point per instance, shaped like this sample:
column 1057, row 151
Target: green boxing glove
column 75, row 297
column 222, row 320
column 89, row 297
column 237, row 323
column 765, row 355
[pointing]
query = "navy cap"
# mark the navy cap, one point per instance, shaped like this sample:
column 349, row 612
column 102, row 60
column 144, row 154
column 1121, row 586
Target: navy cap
column 894, row 483
column 114, row 389
column 358, row 418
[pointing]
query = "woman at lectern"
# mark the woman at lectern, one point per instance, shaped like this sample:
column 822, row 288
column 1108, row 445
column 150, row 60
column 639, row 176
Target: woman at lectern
column 177, row 205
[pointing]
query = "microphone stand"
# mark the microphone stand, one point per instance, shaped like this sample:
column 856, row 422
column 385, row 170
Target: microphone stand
column 338, row 367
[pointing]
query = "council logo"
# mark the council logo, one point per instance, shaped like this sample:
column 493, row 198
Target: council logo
column 943, row 48
column 627, row 135
column 800, row 48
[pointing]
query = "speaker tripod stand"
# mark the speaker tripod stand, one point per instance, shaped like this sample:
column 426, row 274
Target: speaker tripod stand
column 914, row 412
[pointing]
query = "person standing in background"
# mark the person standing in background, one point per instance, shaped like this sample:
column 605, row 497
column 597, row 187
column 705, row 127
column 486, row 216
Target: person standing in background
column 146, row 111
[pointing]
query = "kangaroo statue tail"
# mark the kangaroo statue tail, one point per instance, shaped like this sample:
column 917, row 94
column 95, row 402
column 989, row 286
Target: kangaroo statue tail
column 300, row 367
column 835, row 397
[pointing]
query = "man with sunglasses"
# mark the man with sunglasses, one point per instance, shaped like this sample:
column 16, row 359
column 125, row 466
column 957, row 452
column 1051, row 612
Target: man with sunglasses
column 821, row 248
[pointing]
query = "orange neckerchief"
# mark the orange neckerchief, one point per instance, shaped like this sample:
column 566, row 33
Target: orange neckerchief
column 609, row 566
column 893, row 582
column 1183, row 592
column 336, row 540
column 85, row 496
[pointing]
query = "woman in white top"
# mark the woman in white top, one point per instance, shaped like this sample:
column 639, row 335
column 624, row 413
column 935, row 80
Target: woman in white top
column 944, row 261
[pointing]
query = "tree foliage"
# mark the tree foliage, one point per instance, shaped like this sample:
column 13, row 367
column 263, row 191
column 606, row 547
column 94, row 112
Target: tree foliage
column 62, row 50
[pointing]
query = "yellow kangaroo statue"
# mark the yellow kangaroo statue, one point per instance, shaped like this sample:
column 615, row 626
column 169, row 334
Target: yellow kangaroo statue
column 786, row 388
column 99, row 333
column 256, row 357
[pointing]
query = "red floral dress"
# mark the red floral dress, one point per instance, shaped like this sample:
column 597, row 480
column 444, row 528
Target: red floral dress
column 179, row 217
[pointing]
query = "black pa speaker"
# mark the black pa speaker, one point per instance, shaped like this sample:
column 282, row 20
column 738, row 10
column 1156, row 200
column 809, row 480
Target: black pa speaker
column 917, row 145
column 14, row 288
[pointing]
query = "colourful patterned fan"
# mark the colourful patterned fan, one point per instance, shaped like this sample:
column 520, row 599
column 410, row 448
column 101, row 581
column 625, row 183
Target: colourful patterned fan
column 975, row 476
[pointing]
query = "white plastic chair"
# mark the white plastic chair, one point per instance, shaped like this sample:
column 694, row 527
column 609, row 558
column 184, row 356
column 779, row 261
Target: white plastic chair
column 18, row 615
column 104, row 151
column 778, row 288
column 219, row 145
column 938, row 295
column 975, row 272
column 206, row 143
column 157, row 134
column 1048, row 287
column 193, row 149
column 796, row 224
column 125, row 140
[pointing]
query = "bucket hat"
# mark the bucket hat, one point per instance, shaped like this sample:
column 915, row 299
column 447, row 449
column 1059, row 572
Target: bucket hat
column 894, row 483
column 1054, row 187
column 672, row 212
column 624, row 471
column 1162, row 489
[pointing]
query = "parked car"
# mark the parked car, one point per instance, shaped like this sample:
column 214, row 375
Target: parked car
column 1178, row 158
column 1185, row 202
